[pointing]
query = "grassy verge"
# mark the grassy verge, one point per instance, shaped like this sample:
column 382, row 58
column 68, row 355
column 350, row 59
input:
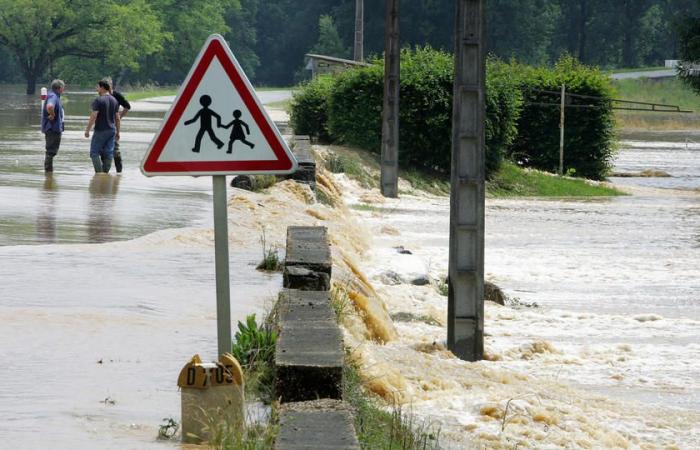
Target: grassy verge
column 378, row 428
column 635, row 69
column 140, row 94
column 512, row 181
column 669, row 91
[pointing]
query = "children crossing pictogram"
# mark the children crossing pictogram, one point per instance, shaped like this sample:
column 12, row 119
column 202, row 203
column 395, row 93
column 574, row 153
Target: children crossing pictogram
column 189, row 140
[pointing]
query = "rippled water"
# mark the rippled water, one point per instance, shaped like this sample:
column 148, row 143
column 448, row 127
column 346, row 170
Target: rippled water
column 93, row 334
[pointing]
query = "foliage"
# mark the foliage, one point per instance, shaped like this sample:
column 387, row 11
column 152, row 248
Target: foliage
column 589, row 139
column 271, row 260
column 353, row 167
column 329, row 42
column 41, row 32
column 309, row 108
column 512, row 181
column 355, row 105
column 230, row 435
column 254, row 343
column 689, row 37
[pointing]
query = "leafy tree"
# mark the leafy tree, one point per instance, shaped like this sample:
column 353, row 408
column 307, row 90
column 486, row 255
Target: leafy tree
column 689, row 51
column 243, row 35
column 41, row 32
column 329, row 42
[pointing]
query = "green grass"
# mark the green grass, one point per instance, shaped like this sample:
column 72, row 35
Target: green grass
column 354, row 167
column 669, row 91
column 150, row 92
column 512, row 181
column 635, row 69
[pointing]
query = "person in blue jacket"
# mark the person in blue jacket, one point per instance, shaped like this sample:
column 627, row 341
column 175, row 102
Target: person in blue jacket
column 52, row 122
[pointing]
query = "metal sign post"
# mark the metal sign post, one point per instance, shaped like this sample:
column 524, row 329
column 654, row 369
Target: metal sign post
column 223, row 291
column 561, row 130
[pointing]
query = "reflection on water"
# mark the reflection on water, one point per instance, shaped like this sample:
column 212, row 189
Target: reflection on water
column 46, row 217
column 103, row 191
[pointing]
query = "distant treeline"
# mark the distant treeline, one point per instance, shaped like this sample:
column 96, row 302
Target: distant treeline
column 145, row 41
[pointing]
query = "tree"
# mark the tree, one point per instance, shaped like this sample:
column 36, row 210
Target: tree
column 243, row 35
column 329, row 42
column 689, row 52
column 41, row 32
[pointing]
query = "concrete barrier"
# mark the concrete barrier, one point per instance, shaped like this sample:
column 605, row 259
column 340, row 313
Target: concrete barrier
column 324, row 424
column 308, row 259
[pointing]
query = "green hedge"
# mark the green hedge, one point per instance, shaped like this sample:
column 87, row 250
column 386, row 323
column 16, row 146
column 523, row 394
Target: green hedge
column 515, row 127
column 588, row 132
column 309, row 113
column 425, row 115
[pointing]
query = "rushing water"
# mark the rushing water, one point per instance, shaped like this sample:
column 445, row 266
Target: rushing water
column 93, row 336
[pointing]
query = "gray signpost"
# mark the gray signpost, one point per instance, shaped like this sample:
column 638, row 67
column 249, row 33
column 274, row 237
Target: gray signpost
column 465, row 311
column 187, row 145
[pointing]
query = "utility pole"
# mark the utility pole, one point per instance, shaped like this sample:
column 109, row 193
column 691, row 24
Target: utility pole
column 359, row 30
column 465, row 307
column 561, row 130
column 390, row 112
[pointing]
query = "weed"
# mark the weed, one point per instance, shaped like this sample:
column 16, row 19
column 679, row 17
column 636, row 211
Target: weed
column 261, row 182
column 442, row 287
column 378, row 428
column 271, row 258
column 168, row 429
column 231, row 435
column 340, row 301
column 353, row 167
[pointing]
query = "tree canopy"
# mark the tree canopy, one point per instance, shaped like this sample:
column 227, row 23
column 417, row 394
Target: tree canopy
column 155, row 41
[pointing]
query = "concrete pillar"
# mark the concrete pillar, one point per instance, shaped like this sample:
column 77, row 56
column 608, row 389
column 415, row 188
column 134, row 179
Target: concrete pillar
column 390, row 112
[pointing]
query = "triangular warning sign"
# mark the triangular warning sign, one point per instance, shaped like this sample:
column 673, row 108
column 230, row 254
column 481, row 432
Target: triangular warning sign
column 217, row 125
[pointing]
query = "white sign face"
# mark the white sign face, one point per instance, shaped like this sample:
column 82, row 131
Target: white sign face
column 217, row 125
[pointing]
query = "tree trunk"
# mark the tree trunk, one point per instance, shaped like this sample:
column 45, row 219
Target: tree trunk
column 628, row 56
column 31, row 84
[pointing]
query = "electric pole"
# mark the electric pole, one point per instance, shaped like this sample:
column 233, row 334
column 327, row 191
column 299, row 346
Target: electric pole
column 359, row 30
column 390, row 112
column 465, row 304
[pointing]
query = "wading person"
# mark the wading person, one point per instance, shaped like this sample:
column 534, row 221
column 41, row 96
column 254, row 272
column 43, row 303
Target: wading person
column 52, row 122
column 106, row 121
column 125, row 108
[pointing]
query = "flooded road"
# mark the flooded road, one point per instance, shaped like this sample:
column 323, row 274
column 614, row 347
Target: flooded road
column 108, row 287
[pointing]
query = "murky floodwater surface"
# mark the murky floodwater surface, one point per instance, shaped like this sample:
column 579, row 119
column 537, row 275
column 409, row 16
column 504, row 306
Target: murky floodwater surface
column 93, row 336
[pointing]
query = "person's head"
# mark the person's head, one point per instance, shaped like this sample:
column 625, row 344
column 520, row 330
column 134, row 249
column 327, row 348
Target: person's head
column 103, row 87
column 58, row 86
column 205, row 100
column 237, row 114
column 108, row 80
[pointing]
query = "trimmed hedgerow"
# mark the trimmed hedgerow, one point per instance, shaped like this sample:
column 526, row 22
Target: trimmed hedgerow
column 517, row 125
column 588, row 132
column 309, row 112
column 355, row 108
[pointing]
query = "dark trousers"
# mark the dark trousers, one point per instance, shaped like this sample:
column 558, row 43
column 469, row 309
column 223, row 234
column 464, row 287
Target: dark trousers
column 117, row 157
column 53, row 141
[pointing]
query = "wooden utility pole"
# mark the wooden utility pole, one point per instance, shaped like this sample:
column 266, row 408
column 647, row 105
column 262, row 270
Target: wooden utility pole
column 561, row 130
column 359, row 30
column 390, row 112
column 465, row 308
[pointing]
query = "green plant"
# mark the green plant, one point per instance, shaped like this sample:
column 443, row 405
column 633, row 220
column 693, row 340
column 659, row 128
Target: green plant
column 353, row 167
column 230, row 435
column 309, row 108
column 589, row 128
column 168, row 428
column 271, row 259
column 340, row 301
column 254, row 343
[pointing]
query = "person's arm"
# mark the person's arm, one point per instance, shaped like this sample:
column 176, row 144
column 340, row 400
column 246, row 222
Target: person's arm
column 227, row 125
column 91, row 122
column 123, row 102
column 192, row 120
column 118, row 124
column 247, row 130
column 218, row 119
column 50, row 109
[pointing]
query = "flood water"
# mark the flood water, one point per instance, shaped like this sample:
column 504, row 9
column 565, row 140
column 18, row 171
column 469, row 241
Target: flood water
column 108, row 281
column 99, row 310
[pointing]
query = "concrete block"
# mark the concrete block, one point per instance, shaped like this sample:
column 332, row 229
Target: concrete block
column 324, row 424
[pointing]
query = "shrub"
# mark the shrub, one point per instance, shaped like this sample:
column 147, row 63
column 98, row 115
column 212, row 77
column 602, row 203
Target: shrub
column 425, row 134
column 309, row 108
column 254, row 343
column 588, row 138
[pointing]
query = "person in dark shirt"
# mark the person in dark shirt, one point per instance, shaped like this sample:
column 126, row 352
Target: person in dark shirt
column 125, row 108
column 107, row 123
column 205, row 116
